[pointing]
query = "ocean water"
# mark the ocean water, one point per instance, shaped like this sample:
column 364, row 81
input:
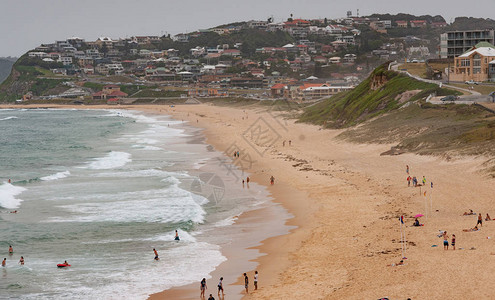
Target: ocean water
column 101, row 189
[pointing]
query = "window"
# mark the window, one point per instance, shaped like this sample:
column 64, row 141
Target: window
column 465, row 62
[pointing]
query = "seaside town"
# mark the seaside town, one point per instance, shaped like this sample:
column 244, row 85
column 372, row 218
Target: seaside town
column 288, row 158
column 296, row 59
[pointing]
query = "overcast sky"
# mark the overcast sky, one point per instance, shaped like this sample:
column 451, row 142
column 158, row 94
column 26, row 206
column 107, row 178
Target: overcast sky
column 24, row 24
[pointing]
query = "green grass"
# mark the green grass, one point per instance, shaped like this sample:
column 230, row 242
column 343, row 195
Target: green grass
column 362, row 103
column 152, row 93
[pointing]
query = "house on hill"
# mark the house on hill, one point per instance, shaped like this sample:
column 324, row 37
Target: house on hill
column 477, row 64
column 110, row 91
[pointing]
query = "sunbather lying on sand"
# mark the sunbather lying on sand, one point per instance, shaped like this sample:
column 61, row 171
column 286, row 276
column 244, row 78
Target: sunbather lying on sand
column 471, row 229
column 469, row 213
column 488, row 218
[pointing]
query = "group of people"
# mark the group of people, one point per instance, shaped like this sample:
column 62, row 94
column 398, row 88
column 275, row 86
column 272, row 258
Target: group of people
column 290, row 143
column 203, row 287
column 11, row 252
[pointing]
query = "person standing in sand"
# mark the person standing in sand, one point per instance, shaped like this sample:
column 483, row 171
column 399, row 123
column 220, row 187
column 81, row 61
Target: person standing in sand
column 246, row 283
column 220, row 287
column 445, row 241
column 272, row 180
column 453, row 242
column 407, row 169
column 480, row 220
column 409, row 181
column 255, row 280
column 203, row 287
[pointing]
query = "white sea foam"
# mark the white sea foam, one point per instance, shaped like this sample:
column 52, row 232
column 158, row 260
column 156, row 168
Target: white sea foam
column 7, row 195
column 142, row 173
column 56, row 176
column 112, row 160
column 8, row 118
column 147, row 148
column 170, row 205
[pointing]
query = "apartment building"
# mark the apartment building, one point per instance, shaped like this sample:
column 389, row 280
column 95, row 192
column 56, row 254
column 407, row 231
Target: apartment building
column 455, row 43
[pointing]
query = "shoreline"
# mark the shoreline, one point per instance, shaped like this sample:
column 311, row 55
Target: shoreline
column 348, row 206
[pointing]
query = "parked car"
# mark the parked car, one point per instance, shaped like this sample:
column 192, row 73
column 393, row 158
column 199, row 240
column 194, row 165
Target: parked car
column 450, row 98
column 471, row 82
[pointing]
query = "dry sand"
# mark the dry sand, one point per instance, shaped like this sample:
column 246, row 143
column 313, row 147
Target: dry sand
column 346, row 200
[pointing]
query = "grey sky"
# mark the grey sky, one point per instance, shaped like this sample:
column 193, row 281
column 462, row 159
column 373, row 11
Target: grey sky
column 24, row 24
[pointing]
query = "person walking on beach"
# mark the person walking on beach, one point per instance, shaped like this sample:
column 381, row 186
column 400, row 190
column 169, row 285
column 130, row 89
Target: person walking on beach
column 407, row 169
column 290, row 142
column 424, row 180
column 246, row 283
column 255, row 280
column 247, row 180
column 480, row 220
column 272, row 180
column 453, row 242
column 409, row 181
column 11, row 250
column 177, row 236
column 203, row 287
column 283, row 143
column 156, row 254
column 445, row 241
column 220, row 287
column 4, row 262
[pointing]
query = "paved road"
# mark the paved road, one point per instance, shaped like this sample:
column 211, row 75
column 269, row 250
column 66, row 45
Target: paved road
column 395, row 67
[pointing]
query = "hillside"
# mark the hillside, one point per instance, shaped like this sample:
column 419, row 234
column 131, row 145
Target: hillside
column 6, row 64
column 29, row 74
column 381, row 92
column 390, row 108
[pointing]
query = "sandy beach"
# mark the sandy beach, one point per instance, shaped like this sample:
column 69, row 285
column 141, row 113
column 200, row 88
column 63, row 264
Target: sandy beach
column 346, row 200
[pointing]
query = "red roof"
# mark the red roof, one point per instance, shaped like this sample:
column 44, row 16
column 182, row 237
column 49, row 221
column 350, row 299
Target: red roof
column 278, row 86
column 118, row 94
column 100, row 93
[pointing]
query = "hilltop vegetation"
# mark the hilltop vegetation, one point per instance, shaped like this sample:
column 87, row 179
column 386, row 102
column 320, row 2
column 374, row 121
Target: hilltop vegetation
column 381, row 92
column 6, row 64
column 28, row 75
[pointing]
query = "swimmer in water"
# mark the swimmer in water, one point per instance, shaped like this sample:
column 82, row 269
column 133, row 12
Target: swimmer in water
column 177, row 236
column 156, row 254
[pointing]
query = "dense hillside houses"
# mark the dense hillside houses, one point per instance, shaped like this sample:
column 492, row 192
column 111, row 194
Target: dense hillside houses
column 263, row 54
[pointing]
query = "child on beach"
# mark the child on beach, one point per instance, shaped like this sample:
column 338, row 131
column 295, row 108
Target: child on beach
column 453, row 242
column 488, row 218
column 407, row 169
column 409, row 181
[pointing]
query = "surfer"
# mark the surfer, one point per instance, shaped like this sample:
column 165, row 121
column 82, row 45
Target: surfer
column 156, row 254
column 177, row 236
